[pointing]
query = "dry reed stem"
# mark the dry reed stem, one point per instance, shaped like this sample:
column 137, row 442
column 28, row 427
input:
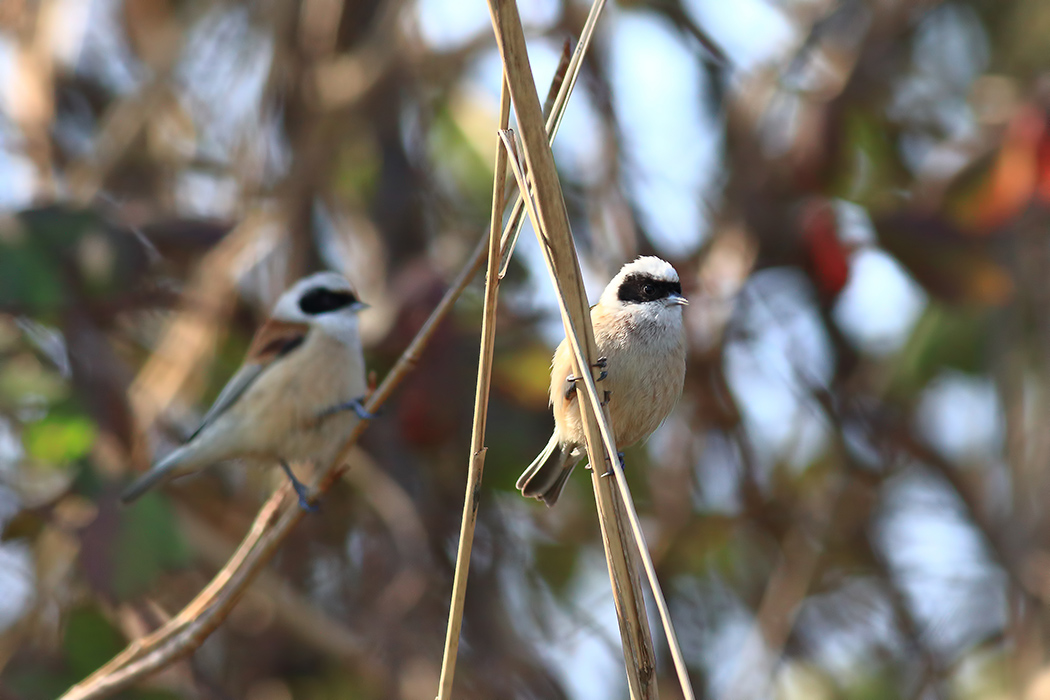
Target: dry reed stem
column 550, row 220
column 627, row 596
column 472, row 497
column 553, row 122
column 559, row 79
column 499, row 256
column 625, row 506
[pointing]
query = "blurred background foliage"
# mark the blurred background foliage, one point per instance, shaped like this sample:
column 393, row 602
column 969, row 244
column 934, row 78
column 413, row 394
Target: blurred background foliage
column 848, row 500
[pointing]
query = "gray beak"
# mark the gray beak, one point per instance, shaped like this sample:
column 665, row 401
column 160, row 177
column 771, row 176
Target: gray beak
column 359, row 306
column 676, row 299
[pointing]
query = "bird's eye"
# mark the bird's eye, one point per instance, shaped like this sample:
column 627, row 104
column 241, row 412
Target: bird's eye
column 640, row 289
column 321, row 300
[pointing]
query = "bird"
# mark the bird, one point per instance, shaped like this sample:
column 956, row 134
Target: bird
column 299, row 392
column 641, row 340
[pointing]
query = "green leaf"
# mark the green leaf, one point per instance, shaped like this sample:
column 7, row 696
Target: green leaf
column 28, row 281
column 59, row 439
column 461, row 164
column 944, row 337
column 26, row 681
column 90, row 641
column 358, row 168
column 874, row 685
column 149, row 542
column 869, row 167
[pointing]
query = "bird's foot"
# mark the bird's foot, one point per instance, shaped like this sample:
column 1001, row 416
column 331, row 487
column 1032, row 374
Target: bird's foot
column 356, row 405
column 601, row 364
column 300, row 490
column 623, row 465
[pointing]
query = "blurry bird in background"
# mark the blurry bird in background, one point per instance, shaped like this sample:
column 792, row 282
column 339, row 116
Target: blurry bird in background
column 638, row 328
column 298, row 393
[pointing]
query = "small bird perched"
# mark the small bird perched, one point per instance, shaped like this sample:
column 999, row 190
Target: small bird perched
column 297, row 395
column 638, row 329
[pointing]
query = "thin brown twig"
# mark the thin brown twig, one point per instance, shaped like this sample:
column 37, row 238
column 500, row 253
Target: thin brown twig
column 472, row 497
column 559, row 79
column 553, row 122
column 187, row 631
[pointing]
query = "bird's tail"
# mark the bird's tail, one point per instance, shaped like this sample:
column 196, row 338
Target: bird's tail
column 546, row 476
column 175, row 464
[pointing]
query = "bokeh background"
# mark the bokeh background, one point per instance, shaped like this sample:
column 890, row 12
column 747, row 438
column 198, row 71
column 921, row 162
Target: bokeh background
column 849, row 500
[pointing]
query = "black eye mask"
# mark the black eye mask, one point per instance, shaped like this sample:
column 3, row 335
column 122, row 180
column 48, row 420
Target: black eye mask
column 321, row 300
column 638, row 289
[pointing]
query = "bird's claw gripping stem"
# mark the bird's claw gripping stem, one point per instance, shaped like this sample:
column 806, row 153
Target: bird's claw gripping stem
column 356, row 405
column 601, row 364
column 300, row 490
column 610, row 472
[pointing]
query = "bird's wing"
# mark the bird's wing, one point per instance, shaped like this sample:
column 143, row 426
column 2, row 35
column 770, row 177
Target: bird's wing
column 272, row 341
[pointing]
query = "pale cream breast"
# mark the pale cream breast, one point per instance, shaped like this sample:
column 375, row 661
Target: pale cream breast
column 646, row 373
column 284, row 403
